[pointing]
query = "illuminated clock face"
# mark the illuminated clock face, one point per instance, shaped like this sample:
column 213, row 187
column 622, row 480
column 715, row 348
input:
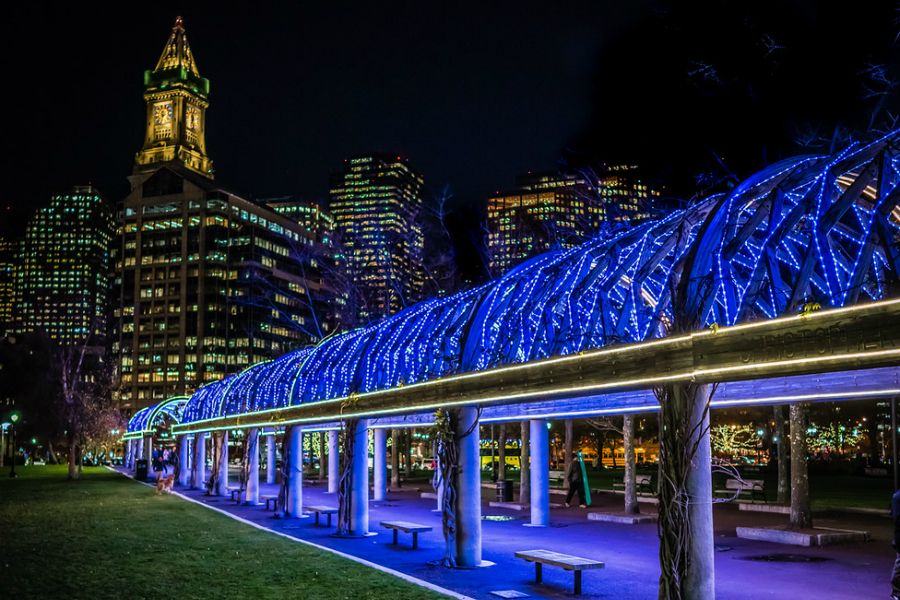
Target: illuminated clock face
column 163, row 114
column 192, row 117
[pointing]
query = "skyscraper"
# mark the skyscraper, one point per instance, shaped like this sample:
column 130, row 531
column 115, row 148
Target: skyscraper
column 62, row 268
column 7, row 282
column 206, row 281
column 560, row 210
column 376, row 202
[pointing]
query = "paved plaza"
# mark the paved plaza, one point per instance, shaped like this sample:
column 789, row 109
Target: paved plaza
column 745, row 569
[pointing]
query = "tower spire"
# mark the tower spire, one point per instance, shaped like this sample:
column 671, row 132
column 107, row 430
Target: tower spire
column 177, row 99
column 177, row 52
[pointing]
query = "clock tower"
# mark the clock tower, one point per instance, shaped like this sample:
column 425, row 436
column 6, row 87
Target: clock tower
column 176, row 98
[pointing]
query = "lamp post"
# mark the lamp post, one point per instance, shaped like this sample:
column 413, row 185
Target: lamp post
column 759, row 435
column 12, row 470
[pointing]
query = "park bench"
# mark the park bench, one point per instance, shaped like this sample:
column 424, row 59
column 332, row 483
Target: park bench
column 567, row 562
column 268, row 499
column 414, row 528
column 235, row 493
column 322, row 510
column 742, row 488
column 644, row 484
column 557, row 479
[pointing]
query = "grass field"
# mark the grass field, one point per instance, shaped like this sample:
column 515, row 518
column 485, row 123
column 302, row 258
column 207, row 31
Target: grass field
column 826, row 491
column 107, row 536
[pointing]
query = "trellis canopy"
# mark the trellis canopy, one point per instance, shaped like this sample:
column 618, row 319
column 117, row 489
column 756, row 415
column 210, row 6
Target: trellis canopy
column 808, row 230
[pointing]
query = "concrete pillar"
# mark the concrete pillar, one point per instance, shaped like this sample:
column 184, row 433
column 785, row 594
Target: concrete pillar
column 468, row 486
column 198, row 473
column 395, row 458
column 294, row 504
column 129, row 452
column 270, row 457
column 540, row 474
column 379, row 475
column 252, row 495
column 184, row 460
column 699, row 581
column 359, row 480
column 439, row 488
column 334, row 471
column 323, row 464
column 222, row 487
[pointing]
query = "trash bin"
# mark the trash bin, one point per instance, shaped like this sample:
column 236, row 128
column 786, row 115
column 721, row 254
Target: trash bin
column 140, row 470
column 504, row 491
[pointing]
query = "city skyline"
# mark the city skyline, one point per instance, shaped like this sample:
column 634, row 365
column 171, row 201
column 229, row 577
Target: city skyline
column 471, row 98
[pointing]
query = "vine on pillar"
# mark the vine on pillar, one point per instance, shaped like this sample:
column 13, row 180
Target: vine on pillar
column 447, row 438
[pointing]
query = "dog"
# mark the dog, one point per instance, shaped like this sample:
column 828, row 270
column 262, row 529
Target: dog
column 165, row 484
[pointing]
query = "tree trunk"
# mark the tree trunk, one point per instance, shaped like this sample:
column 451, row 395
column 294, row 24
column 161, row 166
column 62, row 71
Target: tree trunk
column 52, row 453
column 73, row 458
column 501, row 452
column 783, row 453
column 631, row 502
column 395, row 458
column 801, row 514
column 525, row 464
column 567, row 451
column 323, row 464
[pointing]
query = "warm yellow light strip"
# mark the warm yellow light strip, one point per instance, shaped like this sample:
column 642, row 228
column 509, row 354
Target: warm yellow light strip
column 692, row 375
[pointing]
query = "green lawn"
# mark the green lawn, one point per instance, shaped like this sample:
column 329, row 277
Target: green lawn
column 107, row 536
column 826, row 491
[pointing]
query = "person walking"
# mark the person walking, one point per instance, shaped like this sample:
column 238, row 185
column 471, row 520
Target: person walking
column 575, row 478
column 895, row 576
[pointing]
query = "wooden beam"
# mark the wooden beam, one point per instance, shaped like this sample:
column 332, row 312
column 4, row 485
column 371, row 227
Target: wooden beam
column 850, row 339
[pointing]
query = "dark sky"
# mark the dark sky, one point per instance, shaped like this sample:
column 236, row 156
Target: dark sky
column 472, row 93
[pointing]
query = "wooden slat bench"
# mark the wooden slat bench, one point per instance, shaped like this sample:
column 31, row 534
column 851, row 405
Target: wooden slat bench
column 268, row 499
column 567, row 562
column 557, row 479
column 322, row 510
column 414, row 528
column 644, row 484
column 747, row 487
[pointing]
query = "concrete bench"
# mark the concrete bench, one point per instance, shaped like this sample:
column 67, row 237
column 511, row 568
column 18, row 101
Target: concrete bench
column 567, row 562
column 322, row 510
column 414, row 528
column 268, row 499
column 751, row 488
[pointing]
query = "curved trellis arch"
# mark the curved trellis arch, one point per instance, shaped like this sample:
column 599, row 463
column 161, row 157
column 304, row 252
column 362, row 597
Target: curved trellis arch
column 143, row 421
column 822, row 229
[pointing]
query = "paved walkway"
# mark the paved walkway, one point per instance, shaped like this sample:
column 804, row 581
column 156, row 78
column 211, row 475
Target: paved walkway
column 847, row 572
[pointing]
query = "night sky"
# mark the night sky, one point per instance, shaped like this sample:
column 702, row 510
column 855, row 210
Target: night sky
column 472, row 93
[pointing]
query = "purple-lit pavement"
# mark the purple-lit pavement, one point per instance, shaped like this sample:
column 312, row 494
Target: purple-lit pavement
column 745, row 569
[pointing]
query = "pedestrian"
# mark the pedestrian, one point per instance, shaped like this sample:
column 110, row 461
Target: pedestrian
column 575, row 477
column 895, row 576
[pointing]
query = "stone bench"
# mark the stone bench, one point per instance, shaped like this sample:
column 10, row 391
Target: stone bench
column 567, row 562
column 268, row 499
column 414, row 528
column 322, row 510
column 235, row 493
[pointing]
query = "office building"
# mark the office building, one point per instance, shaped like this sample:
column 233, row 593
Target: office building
column 62, row 269
column 206, row 282
column 375, row 203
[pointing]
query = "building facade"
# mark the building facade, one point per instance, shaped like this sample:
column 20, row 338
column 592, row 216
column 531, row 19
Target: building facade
column 375, row 203
column 546, row 211
column 206, row 282
column 7, row 282
column 61, row 276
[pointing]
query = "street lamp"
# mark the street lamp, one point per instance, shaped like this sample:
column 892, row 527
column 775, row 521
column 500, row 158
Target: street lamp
column 12, row 470
column 759, row 434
